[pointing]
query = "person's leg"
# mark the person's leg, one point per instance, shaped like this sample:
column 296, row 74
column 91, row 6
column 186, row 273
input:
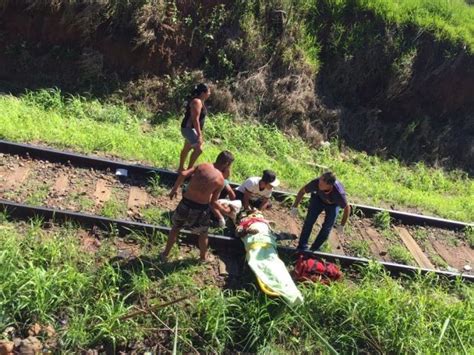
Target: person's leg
column 203, row 241
column 197, row 150
column 329, row 220
column 314, row 210
column 180, row 215
column 184, row 154
column 173, row 235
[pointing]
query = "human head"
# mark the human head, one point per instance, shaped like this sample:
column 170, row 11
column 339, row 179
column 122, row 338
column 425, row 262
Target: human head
column 224, row 160
column 327, row 181
column 269, row 179
column 202, row 91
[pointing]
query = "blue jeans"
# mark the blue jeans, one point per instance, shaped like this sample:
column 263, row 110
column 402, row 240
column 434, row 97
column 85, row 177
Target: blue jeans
column 316, row 206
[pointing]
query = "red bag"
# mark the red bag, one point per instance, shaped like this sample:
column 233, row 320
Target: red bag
column 309, row 268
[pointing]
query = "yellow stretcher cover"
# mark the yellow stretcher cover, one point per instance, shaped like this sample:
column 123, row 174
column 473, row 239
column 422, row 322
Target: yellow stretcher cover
column 272, row 274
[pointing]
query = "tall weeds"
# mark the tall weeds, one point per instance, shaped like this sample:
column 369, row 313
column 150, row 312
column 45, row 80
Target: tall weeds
column 46, row 277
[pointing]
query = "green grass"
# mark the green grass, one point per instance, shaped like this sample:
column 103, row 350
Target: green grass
column 400, row 254
column 420, row 235
column 368, row 179
column 390, row 234
column 155, row 187
column 360, row 248
column 156, row 215
column 447, row 19
column 469, row 233
column 81, row 200
column 11, row 195
column 49, row 280
column 438, row 261
column 452, row 240
column 382, row 220
column 37, row 197
column 451, row 20
column 113, row 208
column 46, row 277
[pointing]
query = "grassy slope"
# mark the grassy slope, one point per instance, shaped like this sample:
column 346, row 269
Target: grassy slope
column 447, row 19
column 452, row 20
column 46, row 277
column 89, row 126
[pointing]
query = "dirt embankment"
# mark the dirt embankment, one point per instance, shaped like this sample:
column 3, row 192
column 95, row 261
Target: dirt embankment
column 388, row 89
column 402, row 92
column 71, row 43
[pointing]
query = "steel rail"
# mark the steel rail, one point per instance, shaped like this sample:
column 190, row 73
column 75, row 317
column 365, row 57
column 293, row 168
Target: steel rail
column 20, row 211
column 168, row 177
column 218, row 242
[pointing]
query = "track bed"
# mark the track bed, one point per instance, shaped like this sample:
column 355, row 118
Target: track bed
column 144, row 199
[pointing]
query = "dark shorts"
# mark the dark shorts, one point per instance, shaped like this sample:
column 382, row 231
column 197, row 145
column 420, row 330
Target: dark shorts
column 193, row 216
column 190, row 135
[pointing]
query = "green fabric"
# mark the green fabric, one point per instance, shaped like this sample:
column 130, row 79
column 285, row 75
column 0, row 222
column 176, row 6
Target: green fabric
column 267, row 266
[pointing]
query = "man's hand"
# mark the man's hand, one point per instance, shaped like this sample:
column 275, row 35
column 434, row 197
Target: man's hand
column 340, row 229
column 173, row 193
column 200, row 139
column 294, row 211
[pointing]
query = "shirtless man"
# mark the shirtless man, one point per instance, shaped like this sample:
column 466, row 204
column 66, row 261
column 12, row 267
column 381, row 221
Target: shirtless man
column 194, row 210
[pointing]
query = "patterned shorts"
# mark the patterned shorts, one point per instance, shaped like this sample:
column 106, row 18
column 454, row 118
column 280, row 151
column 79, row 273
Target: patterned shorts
column 193, row 216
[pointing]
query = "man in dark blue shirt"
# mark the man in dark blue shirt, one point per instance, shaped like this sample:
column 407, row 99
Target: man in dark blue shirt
column 327, row 194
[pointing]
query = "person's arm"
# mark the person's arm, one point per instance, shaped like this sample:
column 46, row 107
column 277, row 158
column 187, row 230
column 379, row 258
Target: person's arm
column 345, row 215
column 216, row 207
column 181, row 177
column 230, row 192
column 246, row 200
column 299, row 196
column 309, row 187
column 196, row 106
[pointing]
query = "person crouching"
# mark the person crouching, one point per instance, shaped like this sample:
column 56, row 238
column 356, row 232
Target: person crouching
column 199, row 201
column 256, row 192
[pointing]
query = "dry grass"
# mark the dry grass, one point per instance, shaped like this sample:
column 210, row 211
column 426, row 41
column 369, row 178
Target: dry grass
column 149, row 21
column 288, row 101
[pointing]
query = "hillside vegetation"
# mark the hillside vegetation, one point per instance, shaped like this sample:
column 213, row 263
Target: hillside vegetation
column 447, row 19
column 392, row 78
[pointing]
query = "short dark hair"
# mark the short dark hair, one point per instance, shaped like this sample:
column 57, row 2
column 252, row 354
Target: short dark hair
column 268, row 176
column 225, row 158
column 329, row 177
column 199, row 89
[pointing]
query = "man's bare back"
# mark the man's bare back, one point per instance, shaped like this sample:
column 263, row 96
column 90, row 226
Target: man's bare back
column 205, row 182
column 199, row 201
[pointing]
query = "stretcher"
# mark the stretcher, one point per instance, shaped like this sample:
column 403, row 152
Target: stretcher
column 272, row 275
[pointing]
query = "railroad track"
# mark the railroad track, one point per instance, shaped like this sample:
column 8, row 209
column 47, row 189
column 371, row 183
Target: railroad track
column 86, row 189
